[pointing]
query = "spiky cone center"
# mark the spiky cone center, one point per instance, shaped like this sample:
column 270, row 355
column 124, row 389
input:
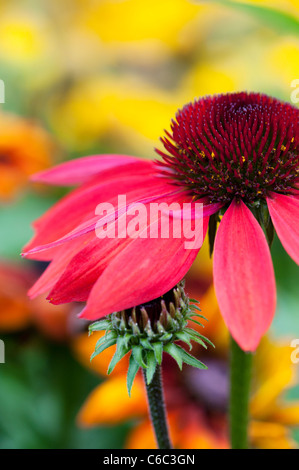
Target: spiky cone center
column 239, row 145
column 150, row 329
column 157, row 319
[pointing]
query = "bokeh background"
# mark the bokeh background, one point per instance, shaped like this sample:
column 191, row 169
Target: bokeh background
column 84, row 77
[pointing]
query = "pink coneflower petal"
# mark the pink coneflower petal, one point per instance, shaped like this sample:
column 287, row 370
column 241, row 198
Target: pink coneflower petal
column 284, row 211
column 244, row 276
column 207, row 210
column 94, row 222
column 82, row 169
column 52, row 273
column 131, row 278
column 87, row 266
column 84, row 269
column 80, row 205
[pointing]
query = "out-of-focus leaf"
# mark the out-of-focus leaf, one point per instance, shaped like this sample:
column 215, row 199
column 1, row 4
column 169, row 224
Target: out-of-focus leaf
column 42, row 390
column 15, row 223
column 283, row 22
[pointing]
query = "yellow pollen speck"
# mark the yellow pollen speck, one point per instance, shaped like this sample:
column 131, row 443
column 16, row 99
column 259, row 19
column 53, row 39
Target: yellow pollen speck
column 212, row 155
column 292, row 139
column 243, row 158
column 283, row 148
column 259, row 192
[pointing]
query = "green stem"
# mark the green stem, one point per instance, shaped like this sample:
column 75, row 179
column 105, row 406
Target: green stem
column 157, row 409
column 240, row 375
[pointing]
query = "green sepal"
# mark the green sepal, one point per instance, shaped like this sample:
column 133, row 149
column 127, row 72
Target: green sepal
column 182, row 336
column 121, row 351
column 158, row 349
column 190, row 360
column 132, row 371
column 100, row 326
column 194, row 314
column 194, row 333
column 127, row 339
column 174, row 351
column 197, row 322
column 152, row 365
column 102, row 347
column 166, row 337
column 107, row 337
column 138, row 355
column 146, row 344
column 193, row 301
column 195, row 307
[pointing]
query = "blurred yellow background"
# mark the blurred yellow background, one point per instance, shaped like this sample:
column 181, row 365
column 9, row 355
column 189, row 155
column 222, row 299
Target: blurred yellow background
column 85, row 77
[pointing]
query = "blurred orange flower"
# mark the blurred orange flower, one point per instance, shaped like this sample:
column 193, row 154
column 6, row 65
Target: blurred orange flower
column 15, row 312
column 18, row 312
column 24, row 149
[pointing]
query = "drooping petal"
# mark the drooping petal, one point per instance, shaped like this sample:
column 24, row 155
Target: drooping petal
column 82, row 169
column 80, row 205
column 145, row 269
column 88, row 264
column 78, row 277
column 52, row 273
column 85, row 268
column 94, row 222
column 284, row 211
column 244, row 276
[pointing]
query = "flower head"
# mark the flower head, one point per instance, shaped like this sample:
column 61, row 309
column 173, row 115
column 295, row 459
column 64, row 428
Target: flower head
column 234, row 146
column 236, row 154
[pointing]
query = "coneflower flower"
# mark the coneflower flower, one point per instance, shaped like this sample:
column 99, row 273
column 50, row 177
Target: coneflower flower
column 238, row 155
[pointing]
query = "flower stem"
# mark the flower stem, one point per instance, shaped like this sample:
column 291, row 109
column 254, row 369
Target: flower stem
column 157, row 409
column 240, row 375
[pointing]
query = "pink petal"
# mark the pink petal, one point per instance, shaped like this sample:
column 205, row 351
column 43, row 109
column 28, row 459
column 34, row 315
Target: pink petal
column 207, row 210
column 244, row 276
column 52, row 273
column 94, row 222
column 86, row 267
column 82, row 169
column 79, row 276
column 143, row 270
column 284, row 211
column 79, row 206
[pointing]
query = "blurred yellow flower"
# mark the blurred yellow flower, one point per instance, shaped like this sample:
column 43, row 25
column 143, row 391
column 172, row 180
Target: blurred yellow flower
column 283, row 60
column 23, row 36
column 124, row 109
column 128, row 21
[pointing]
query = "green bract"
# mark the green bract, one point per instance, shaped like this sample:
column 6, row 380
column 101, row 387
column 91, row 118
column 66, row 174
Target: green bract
column 151, row 329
